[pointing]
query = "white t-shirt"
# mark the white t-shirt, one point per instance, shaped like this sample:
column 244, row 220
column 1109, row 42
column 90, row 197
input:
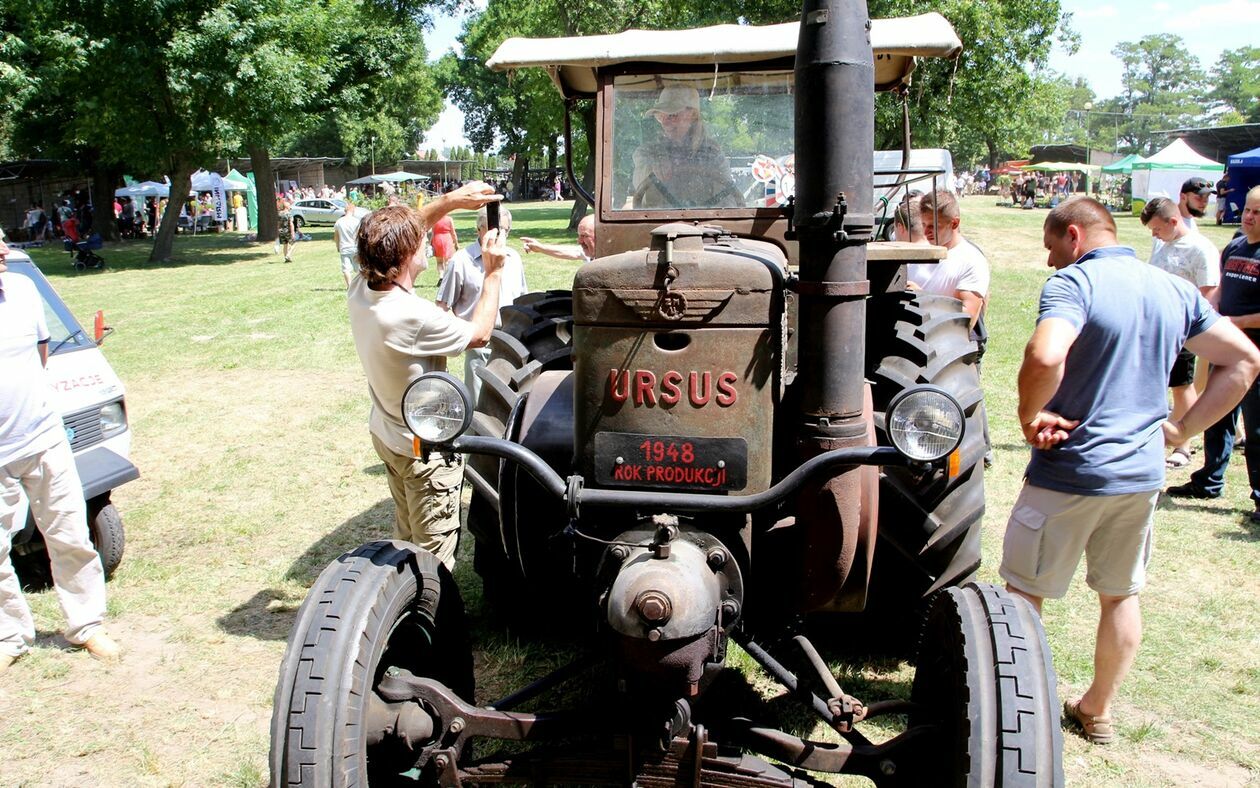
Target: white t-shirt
column 399, row 337
column 28, row 422
column 346, row 231
column 1192, row 257
column 964, row 268
column 460, row 287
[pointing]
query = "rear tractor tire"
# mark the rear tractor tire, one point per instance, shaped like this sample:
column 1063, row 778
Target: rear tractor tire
column 384, row 605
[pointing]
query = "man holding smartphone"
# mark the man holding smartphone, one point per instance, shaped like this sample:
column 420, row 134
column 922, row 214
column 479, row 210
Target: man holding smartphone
column 400, row 336
column 462, row 285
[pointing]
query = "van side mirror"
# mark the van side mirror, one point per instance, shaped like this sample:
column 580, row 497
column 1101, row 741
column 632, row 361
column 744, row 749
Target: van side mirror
column 99, row 329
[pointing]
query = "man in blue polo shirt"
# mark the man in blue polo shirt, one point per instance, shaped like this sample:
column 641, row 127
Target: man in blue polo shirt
column 1093, row 405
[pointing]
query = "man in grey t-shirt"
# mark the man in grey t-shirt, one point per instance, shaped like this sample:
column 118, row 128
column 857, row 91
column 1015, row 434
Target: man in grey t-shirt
column 1092, row 404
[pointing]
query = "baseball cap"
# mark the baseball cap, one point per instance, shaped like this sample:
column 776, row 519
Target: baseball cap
column 1200, row 186
column 675, row 98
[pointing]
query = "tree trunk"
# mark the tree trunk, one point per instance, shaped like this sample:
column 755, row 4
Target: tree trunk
column 519, row 170
column 993, row 154
column 181, row 185
column 105, row 180
column 264, row 181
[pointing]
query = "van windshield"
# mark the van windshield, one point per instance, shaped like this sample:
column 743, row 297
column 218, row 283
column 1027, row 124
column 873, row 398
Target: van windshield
column 702, row 140
column 65, row 333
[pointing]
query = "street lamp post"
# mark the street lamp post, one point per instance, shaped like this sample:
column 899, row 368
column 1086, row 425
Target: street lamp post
column 373, row 144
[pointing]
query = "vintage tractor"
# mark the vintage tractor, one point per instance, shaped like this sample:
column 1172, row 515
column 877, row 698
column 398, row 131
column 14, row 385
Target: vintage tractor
column 738, row 417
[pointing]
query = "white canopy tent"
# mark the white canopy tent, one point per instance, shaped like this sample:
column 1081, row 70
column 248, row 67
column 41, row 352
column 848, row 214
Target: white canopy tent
column 1161, row 174
column 144, row 189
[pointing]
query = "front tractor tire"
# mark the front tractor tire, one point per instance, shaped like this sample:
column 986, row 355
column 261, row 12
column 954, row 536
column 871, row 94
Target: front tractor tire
column 984, row 678
column 384, row 605
column 929, row 524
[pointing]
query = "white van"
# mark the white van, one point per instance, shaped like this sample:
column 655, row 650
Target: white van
column 90, row 398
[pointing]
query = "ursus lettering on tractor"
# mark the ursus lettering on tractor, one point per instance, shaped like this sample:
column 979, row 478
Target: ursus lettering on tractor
column 739, row 416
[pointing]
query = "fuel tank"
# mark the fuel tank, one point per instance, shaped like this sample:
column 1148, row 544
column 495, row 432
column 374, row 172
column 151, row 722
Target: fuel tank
column 678, row 362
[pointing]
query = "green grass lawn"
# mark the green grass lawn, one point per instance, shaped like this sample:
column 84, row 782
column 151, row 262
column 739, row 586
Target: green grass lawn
column 249, row 415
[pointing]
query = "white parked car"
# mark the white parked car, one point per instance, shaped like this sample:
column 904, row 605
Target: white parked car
column 90, row 398
column 318, row 210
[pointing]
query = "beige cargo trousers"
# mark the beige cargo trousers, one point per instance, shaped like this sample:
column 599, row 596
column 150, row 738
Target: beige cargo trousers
column 51, row 484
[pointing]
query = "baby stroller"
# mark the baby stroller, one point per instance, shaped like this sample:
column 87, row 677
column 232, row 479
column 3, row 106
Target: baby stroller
column 84, row 257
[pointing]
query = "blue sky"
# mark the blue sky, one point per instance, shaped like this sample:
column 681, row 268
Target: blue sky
column 1208, row 28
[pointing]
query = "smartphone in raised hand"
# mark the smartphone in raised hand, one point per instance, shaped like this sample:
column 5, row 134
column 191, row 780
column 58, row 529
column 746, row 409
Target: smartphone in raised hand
column 492, row 216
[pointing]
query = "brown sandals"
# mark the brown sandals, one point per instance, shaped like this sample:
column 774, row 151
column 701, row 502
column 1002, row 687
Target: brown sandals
column 1096, row 730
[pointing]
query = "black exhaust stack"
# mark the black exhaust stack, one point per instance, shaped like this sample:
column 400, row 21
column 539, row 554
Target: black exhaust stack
column 833, row 218
column 835, row 137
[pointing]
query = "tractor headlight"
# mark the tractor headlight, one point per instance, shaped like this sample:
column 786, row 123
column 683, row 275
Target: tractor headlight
column 113, row 419
column 925, row 423
column 437, row 407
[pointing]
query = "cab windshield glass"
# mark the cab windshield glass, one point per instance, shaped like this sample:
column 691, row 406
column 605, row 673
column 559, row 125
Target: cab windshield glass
column 65, row 333
column 702, row 140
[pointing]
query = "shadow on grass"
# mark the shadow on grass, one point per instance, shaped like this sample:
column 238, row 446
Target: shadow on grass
column 213, row 249
column 1248, row 531
column 269, row 613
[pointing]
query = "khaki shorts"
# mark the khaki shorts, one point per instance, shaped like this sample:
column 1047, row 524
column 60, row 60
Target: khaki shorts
column 1048, row 531
column 426, row 500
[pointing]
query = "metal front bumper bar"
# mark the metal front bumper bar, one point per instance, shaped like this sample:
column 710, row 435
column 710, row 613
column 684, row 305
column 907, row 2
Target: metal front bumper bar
column 573, row 492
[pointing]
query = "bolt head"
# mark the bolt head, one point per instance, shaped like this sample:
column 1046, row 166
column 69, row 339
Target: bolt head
column 654, row 607
column 717, row 558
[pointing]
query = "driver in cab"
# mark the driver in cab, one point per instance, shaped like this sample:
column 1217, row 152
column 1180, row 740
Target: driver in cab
column 684, row 167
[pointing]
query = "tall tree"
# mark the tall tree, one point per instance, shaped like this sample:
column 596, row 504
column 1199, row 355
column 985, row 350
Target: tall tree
column 1162, row 86
column 1236, row 82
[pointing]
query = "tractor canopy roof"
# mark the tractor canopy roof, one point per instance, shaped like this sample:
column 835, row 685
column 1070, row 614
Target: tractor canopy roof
column 573, row 62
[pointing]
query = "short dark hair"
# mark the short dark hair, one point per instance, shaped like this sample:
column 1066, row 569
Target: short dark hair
column 387, row 239
column 1084, row 212
column 1162, row 207
column 941, row 202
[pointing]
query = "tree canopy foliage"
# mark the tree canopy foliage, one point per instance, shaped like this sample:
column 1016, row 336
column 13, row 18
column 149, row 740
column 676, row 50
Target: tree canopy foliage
column 1236, row 83
column 162, row 87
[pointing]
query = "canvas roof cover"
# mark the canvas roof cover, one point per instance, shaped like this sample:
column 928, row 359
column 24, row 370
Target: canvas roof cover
column 572, row 62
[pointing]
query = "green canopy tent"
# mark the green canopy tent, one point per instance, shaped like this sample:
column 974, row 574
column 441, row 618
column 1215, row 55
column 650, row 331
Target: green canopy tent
column 1090, row 170
column 1061, row 166
column 251, row 194
column 1123, row 166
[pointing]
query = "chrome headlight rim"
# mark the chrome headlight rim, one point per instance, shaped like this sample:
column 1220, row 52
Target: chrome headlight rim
column 900, row 401
column 457, row 387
